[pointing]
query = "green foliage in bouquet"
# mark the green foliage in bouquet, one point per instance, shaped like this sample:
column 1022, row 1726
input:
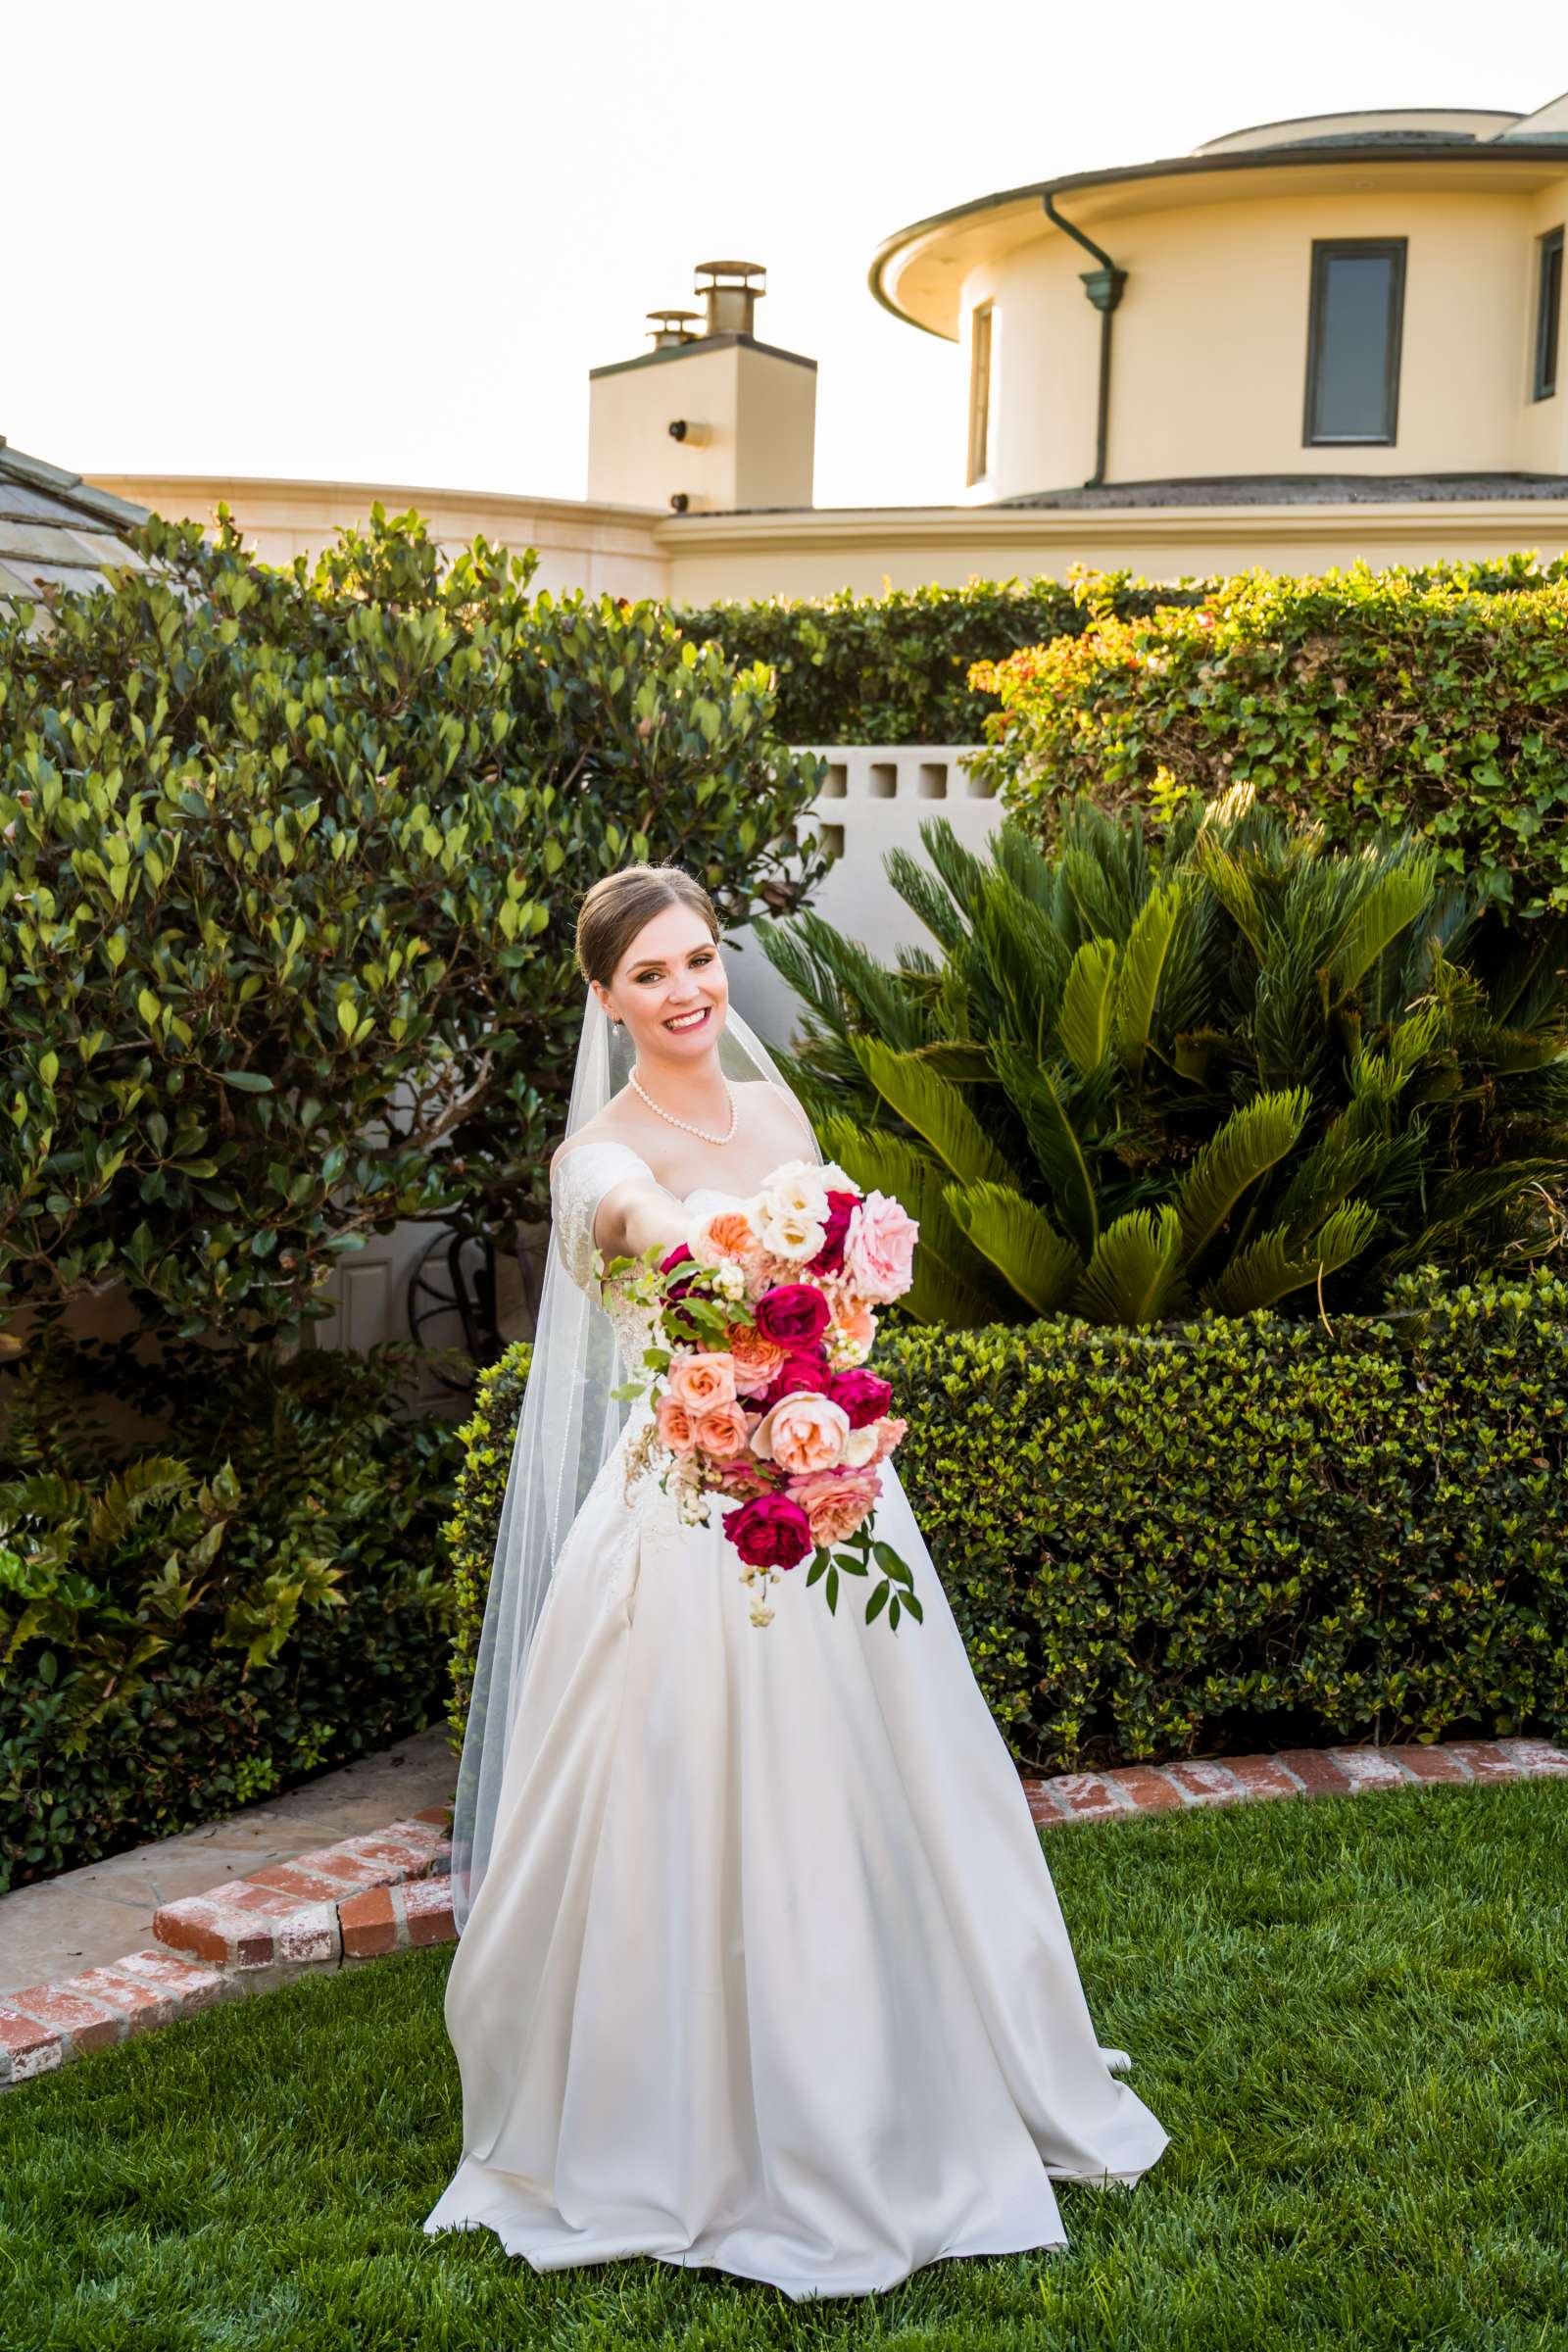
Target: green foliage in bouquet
column 290, row 865
column 1231, row 1069
column 1433, row 699
column 1232, row 1534
column 197, row 1622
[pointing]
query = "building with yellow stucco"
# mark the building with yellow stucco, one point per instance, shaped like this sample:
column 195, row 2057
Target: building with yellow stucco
column 1302, row 343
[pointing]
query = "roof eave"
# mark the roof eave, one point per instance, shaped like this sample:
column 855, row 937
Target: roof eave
column 1260, row 158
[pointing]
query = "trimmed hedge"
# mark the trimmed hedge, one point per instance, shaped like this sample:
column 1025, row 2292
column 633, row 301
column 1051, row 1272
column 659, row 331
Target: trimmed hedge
column 486, row 1441
column 1434, row 699
column 1223, row 1534
column 158, row 1690
column 896, row 668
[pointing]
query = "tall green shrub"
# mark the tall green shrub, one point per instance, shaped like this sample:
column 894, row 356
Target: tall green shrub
column 1432, row 699
column 289, row 865
column 187, row 1626
column 1231, row 1067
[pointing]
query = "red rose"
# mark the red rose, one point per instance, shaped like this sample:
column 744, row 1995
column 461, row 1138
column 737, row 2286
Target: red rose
column 792, row 1314
column 803, row 1368
column 829, row 1260
column 864, row 1396
column 770, row 1532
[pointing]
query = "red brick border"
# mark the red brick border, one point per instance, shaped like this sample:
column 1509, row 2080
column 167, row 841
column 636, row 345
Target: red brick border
column 289, row 1915
column 1347, row 1771
column 389, row 1892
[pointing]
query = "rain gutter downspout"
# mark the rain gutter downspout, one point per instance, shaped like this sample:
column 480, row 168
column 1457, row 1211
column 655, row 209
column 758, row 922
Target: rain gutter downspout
column 1104, row 287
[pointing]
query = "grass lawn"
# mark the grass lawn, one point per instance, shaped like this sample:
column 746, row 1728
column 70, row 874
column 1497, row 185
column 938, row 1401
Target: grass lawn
column 1348, row 2014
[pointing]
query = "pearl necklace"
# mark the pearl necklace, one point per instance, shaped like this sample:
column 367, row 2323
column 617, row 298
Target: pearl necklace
column 700, row 1131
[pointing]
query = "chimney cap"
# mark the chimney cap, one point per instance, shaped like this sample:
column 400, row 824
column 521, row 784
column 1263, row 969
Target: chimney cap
column 730, row 269
column 672, row 314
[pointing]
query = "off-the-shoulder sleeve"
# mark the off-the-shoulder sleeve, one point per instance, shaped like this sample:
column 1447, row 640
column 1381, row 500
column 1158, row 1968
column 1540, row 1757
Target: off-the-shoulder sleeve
column 582, row 1177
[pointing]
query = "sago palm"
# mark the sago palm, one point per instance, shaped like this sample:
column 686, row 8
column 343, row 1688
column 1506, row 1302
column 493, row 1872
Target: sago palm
column 1242, row 1071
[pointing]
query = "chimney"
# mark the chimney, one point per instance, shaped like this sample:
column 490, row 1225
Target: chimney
column 729, row 297
column 670, row 328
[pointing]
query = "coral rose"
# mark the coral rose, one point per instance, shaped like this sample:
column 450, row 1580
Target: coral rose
column 802, row 1433
column 879, row 1253
column 770, row 1532
column 675, row 1427
column 756, row 1359
column 728, row 1234
column 701, row 1378
column 722, row 1430
column 836, row 1501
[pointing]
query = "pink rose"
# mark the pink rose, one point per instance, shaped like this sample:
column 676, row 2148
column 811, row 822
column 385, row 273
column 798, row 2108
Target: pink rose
column 879, row 1253
column 864, row 1396
column 769, row 1531
column 701, row 1378
column 722, row 1431
column 793, row 1313
column 802, row 1433
column 674, row 1425
column 836, row 1501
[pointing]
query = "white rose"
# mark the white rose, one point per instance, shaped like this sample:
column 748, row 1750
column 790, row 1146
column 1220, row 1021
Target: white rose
column 796, row 1188
column 793, row 1234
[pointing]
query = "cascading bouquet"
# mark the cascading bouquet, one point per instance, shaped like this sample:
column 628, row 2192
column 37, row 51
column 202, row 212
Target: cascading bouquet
column 764, row 1320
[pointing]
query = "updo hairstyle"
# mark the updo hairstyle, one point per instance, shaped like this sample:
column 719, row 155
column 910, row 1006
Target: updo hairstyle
column 619, row 904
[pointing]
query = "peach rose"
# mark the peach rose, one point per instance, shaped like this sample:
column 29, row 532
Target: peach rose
column 755, row 1358
column 702, row 1378
column 836, row 1501
column 803, row 1432
column 727, row 1234
column 674, row 1425
column 721, row 1432
column 889, row 1431
column 879, row 1247
column 857, row 1324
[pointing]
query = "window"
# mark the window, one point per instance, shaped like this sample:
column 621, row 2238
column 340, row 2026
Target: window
column 1353, row 346
column 1549, row 314
column 979, row 392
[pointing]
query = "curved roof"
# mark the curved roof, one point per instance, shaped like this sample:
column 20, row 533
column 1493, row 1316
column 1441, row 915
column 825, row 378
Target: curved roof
column 917, row 272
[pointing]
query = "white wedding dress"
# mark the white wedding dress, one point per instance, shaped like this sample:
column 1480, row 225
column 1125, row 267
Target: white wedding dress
column 767, row 1970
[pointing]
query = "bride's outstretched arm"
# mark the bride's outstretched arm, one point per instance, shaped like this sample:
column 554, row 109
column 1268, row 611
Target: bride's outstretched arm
column 637, row 1213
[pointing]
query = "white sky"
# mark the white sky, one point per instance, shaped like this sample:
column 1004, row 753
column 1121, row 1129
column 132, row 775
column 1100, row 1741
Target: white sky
column 364, row 240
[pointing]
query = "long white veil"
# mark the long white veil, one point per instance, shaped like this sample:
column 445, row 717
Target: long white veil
column 568, row 1427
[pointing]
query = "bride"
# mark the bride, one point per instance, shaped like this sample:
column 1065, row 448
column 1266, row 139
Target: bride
column 760, row 1965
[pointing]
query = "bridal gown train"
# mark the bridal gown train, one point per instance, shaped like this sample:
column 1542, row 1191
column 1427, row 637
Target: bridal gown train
column 767, row 1970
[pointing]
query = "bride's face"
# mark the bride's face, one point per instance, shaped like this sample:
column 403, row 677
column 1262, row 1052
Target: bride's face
column 671, row 971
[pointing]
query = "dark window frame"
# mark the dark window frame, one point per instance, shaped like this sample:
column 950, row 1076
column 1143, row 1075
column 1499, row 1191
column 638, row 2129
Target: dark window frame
column 1326, row 250
column 979, row 465
column 1548, row 313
